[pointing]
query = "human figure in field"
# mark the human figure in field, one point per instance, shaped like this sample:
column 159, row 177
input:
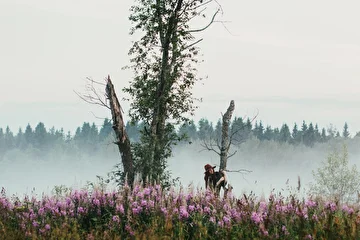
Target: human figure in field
column 215, row 179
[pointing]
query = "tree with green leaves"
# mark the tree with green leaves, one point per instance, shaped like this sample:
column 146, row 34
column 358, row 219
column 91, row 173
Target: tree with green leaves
column 346, row 133
column 164, row 61
column 188, row 132
column 269, row 133
column 284, row 134
column 309, row 136
column 335, row 179
column 296, row 135
column 2, row 144
column 323, row 137
column 9, row 140
column 205, row 130
column 105, row 130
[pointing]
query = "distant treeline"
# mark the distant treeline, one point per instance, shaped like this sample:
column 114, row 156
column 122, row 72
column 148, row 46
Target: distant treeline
column 40, row 142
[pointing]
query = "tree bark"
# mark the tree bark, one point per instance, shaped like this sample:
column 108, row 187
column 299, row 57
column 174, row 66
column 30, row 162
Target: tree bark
column 225, row 140
column 122, row 139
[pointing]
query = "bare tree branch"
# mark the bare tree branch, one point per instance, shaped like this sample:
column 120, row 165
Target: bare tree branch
column 209, row 147
column 93, row 96
column 186, row 47
column 204, row 28
column 239, row 171
column 232, row 154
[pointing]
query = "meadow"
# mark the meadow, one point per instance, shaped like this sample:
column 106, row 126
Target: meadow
column 150, row 212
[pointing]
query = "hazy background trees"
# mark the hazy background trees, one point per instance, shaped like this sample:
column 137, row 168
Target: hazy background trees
column 41, row 142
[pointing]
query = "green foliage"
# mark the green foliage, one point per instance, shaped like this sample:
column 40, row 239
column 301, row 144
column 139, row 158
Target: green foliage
column 335, row 179
column 164, row 63
column 346, row 133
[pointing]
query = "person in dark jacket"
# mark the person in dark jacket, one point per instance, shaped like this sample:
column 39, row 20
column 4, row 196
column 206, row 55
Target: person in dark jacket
column 215, row 179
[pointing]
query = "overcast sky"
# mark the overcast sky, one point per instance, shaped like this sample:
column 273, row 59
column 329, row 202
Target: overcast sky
column 287, row 60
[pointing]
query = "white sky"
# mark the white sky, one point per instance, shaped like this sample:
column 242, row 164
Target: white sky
column 289, row 60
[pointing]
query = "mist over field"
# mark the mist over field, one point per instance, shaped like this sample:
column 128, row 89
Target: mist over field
column 274, row 165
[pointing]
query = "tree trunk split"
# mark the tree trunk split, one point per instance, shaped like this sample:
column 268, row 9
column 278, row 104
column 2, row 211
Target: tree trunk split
column 122, row 139
column 225, row 141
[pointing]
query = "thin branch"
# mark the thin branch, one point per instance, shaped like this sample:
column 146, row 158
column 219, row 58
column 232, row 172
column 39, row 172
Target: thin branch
column 232, row 154
column 220, row 7
column 239, row 171
column 99, row 117
column 93, row 81
column 93, row 96
column 193, row 44
column 208, row 147
column 204, row 28
column 90, row 99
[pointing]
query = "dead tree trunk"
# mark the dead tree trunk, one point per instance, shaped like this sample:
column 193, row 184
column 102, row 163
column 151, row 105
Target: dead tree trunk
column 225, row 140
column 122, row 139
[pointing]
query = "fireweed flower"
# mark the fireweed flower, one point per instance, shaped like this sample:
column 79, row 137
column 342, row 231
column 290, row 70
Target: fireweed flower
column 140, row 195
column 147, row 191
column 47, row 227
column 309, row 237
column 226, row 220
column 189, row 196
column 164, row 211
column 191, row 208
column 35, row 223
column 116, row 219
column 257, row 218
column 262, row 206
column 96, row 202
column 207, row 210
column 81, row 210
column 120, row 209
column 135, row 211
column 347, row 209
column 310, row 203
column 183, row 213
column 220, row 223
column 235, row 214
column 151, row 204
column 143, row 203
column 283, row 228
column 331, row 206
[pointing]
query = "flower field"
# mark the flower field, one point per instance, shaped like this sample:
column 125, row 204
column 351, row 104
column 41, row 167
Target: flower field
column 151, row 213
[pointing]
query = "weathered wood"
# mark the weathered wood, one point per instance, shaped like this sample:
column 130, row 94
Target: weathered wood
column 122, row 139
column 225, row 140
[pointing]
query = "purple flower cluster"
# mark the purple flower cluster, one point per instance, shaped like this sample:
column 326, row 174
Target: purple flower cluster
column 127, row 210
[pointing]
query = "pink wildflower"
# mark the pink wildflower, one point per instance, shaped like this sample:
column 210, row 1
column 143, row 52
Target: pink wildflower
column 35, row 223
column 226, row 220
column 207, row 210
column 116, row 219
column 183, row 212
column 256, row 217
column 96, row 202
column 147, row 191
column 143, row 203
column 310, row 203
column 191, row 208
column 120, row 209
column 47, row 227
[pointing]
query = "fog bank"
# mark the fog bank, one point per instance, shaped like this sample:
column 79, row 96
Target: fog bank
column 273, row 166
